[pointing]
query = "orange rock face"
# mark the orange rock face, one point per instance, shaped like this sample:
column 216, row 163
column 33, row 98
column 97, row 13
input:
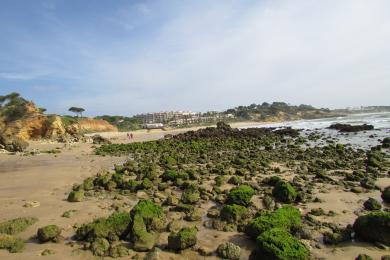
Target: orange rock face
column 95, row 125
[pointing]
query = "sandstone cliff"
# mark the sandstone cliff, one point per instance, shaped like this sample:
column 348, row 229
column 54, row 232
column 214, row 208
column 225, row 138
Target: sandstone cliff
column 95, row 125
column 33, row 124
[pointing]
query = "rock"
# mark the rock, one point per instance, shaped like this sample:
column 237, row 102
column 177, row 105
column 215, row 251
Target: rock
column 218, row 224
column 194, row 215
column 277, row 243
column 183, row 239
column 110, row 228
column 372, row 204
column 373, row 227
column 49, row 233
column 100, row 247
column 240, row 195
column 233, row 213
column 286, row 217
column 76, row 196
column 146, row 217
column 268, row 202
column 284, row 192
column 386, row 142
column 47, row 252
column 13, row 143
column 190, row 196
column 363, row 257
column 10, row 243
column 385, row 257
column 98, row 139
column 154, row 255
column 213, row 213
column 174, row 226
column 17, row 225
column 118, row 251
column 338, row 236
column 386, row 194
column 32, row 204
column 346, row 128
column 172, row 201
column 229, row 251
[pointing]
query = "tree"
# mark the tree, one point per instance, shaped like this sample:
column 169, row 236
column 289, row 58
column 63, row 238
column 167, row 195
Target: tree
column 77, row 110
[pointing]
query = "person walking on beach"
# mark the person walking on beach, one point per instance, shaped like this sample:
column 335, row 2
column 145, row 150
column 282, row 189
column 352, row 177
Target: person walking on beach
column 131, row 136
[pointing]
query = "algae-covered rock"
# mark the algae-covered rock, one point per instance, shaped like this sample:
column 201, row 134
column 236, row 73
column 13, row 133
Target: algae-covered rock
column 363, row 257
column 100, row 247
column 286, row 217
column 47, row 252
column 372, row 204
column 240, row 195
column 109, row 228
column 10, row 243
column 183, row 239
column 49, row 233
column 277, row 243
column 284, row 192
column 17, row 225
column 146, row 217
column 76, row 196
column 118, row 251
column 386, row 194
column 373, row 227
column 229, row 251
column 338, row 235
column 191, row 195
column 233, row 213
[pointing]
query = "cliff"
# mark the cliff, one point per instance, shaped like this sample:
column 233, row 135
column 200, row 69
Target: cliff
column 95, row 125
column 22, row 120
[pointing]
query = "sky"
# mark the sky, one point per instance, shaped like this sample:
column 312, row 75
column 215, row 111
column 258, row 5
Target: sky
column 126, row 57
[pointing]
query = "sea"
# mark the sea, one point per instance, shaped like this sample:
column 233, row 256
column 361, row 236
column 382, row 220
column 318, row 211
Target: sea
column 363, row 140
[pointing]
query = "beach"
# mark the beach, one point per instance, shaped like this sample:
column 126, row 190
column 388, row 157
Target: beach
column 37, row 185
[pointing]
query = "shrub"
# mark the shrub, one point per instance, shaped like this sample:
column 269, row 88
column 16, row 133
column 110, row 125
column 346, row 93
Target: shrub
column 277, row 243
column 373, row 227
column 233, row 213
column 240, row 195
column 286, row 217
column 17, row 225
column 284, row 192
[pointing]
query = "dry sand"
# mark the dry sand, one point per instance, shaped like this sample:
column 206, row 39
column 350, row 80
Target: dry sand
column 47, row 179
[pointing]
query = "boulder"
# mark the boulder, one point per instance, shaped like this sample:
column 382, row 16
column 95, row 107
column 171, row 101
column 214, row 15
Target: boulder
column 183, row 239
column 277, row 243
column 76, row 196
column 284, row 192
column 240, row 195
column 100, row 247
column 386, row 194
column 10, row 243
column 229, row 251
column 373, row 227
column 372, row 204
column 49, row 233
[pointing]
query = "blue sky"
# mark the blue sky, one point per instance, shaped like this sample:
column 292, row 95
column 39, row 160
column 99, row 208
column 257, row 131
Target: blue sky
column 126, row 57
